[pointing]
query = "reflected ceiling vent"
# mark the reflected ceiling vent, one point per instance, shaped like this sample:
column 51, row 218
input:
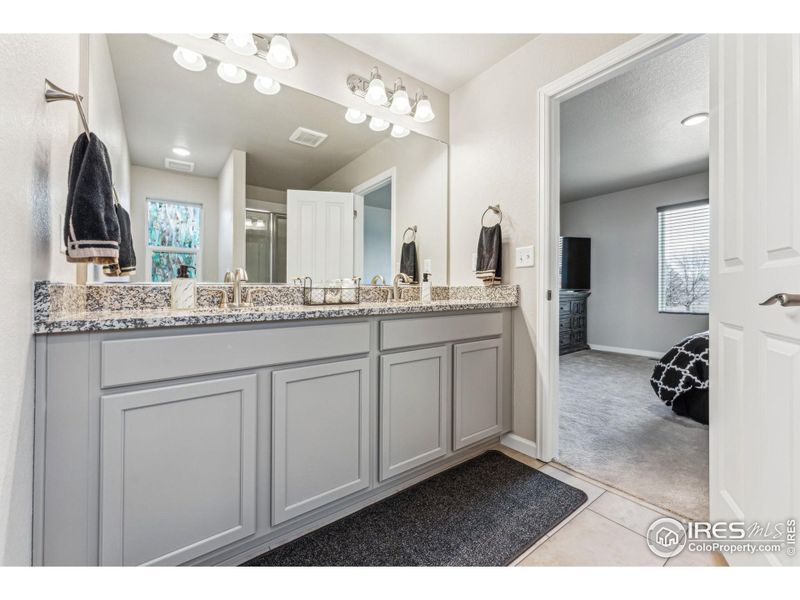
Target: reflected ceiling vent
column 173, row 164
column 307, row 137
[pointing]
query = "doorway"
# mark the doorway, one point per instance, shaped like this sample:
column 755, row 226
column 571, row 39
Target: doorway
column 374, row 234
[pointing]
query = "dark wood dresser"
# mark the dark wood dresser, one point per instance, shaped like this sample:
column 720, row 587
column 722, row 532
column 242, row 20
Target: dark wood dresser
column 572, row 320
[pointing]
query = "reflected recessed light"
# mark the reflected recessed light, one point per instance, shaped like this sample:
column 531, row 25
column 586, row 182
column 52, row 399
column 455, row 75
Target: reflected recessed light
column 181, row 151
column 231, row 73
column 695, row 119
column 189, row 59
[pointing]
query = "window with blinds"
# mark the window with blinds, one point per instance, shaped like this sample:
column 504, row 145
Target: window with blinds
column 684, row 259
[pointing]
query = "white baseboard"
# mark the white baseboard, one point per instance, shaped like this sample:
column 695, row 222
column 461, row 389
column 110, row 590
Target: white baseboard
column 633, row 351
column 520, row 444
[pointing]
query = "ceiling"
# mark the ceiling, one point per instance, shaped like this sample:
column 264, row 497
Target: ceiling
column 444, row 60
column 164, row 105
column 627, row 132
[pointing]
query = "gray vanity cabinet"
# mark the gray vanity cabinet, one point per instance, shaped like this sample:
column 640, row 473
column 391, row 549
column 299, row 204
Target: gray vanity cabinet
column 177, row 472
column 414, row 401
column 320, row 435
column 477, row 391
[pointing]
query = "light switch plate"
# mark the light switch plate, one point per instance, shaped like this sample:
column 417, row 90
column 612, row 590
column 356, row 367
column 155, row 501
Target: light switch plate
column 524, row 257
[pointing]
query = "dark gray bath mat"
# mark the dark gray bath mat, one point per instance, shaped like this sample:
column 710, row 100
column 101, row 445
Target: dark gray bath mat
column 484, row 512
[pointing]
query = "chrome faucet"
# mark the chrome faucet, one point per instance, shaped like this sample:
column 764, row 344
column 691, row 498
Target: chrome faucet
column 237, row 278
column 396, row 292
column 378, row 278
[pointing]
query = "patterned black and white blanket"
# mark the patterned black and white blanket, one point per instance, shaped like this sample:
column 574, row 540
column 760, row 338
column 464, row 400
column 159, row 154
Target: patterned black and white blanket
column 680, row 378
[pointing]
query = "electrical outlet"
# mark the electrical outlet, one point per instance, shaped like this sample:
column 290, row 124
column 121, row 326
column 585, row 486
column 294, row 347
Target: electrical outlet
column 524, row 257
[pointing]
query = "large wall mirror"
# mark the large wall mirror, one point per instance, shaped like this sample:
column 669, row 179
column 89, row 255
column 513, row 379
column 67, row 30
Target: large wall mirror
column 223, row 175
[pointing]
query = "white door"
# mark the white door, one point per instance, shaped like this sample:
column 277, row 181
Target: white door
column 319, row 235
column 755, row 350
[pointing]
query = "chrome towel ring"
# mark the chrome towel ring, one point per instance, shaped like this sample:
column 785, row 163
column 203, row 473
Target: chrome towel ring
column 496, row 210
column 413, row 230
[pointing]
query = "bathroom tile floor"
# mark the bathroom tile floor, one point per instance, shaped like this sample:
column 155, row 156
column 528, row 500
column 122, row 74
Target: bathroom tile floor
column 607, row 530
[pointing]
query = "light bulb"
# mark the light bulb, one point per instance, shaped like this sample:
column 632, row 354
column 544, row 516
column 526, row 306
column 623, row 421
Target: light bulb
column 354, row 116
column 231, row 73
column 260, row 223
column 180, row 151
column 399, row 131
column 423, row 111
column 266, row 85
column 695, row 119
column 241, row 43
column 400, row 103
column 248, row 222
column 189, row 59
column 376, row 92
column 280, row 54
column 378, row 124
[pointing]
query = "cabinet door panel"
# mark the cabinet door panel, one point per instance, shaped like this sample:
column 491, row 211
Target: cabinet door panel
column 477, row 394
column 414, row 399
column 178, row 471
column 320, row 434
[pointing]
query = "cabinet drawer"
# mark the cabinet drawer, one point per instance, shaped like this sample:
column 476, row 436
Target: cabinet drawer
column 147, row 359
column 401, row 333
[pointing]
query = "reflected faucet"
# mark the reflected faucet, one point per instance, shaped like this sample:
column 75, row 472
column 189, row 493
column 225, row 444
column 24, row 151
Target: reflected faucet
column 397, row 293
column 237, row 278
column 378, row 278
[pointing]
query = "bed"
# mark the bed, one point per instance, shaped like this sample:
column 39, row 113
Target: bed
column 680, row 378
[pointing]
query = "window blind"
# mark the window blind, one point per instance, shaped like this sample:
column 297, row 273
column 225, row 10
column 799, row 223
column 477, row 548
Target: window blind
column 684, row 258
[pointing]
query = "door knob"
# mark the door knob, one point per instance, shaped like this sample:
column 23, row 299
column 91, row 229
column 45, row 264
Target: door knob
column 783, row 299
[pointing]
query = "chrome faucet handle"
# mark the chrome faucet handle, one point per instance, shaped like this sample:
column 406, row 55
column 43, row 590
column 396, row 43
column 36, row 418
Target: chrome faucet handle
column 240, row 275
column 228, row 277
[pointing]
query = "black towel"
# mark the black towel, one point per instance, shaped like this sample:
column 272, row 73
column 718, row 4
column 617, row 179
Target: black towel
column 126, row 265
column 408, row 260
column 490, row 252
column 91, row 228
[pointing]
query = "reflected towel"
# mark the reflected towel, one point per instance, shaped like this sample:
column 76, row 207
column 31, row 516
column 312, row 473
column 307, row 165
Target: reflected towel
column 408, row 260
column 126, row 265
column 490, row 253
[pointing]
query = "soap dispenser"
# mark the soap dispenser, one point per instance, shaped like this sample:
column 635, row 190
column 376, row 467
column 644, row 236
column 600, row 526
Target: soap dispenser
column 183, row 290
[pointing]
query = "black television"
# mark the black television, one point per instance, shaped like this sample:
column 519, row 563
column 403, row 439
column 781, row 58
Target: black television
column 576, row 261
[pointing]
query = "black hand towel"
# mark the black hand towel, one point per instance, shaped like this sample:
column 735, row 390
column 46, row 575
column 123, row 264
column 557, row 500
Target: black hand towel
column 490, row 251
column 408, row 260
column 91, row 229
column 126, row 265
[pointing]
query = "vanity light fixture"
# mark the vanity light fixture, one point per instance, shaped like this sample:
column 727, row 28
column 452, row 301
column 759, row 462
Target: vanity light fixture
column 241, row 43
column 231, row 73
column 181, row 151
column 280, row 53
column 376, row 90
column 400, row 132
column 423, row 111
column 354, row 116
column 400, row 103
column 695, row 119
column 202, row 36
column 266, row 85
column 378, row 124
column 189, row 59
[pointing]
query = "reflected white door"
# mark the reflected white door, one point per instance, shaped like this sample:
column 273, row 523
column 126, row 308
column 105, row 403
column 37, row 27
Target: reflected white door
column 755, row 350
column 319, row 235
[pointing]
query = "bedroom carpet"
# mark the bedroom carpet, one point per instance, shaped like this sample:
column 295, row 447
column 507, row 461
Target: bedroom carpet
column 614, row 429
column 484, row 512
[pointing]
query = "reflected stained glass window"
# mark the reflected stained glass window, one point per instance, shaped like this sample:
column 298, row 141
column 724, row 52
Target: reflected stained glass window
column 173, row 237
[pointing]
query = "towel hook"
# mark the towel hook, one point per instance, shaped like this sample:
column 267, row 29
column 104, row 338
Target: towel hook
column 413, row 230
column 496, row 210
column 54, row 93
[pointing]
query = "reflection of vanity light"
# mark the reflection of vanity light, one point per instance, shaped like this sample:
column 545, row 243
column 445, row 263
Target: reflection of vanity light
column 377, row 124
column 354, row 116
column 260, row 223
column 266, row 85
column 241, row 43
column 202, row 36
column 189, row 59
column 400, row 132
column 248, row 222
column 280, row 54
column 231, row 73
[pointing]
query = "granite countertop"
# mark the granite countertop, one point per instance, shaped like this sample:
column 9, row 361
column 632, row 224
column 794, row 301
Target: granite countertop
column 65, row 308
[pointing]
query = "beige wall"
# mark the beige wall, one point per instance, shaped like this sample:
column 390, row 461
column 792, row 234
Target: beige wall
column 623, row 226
column 493, row 159
column 261, row 196
column 35, row 144
column 168, row 185
column 420, row 192
column 232, row 202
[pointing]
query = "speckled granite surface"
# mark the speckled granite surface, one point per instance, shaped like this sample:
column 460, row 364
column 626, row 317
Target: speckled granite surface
column 64, row 308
